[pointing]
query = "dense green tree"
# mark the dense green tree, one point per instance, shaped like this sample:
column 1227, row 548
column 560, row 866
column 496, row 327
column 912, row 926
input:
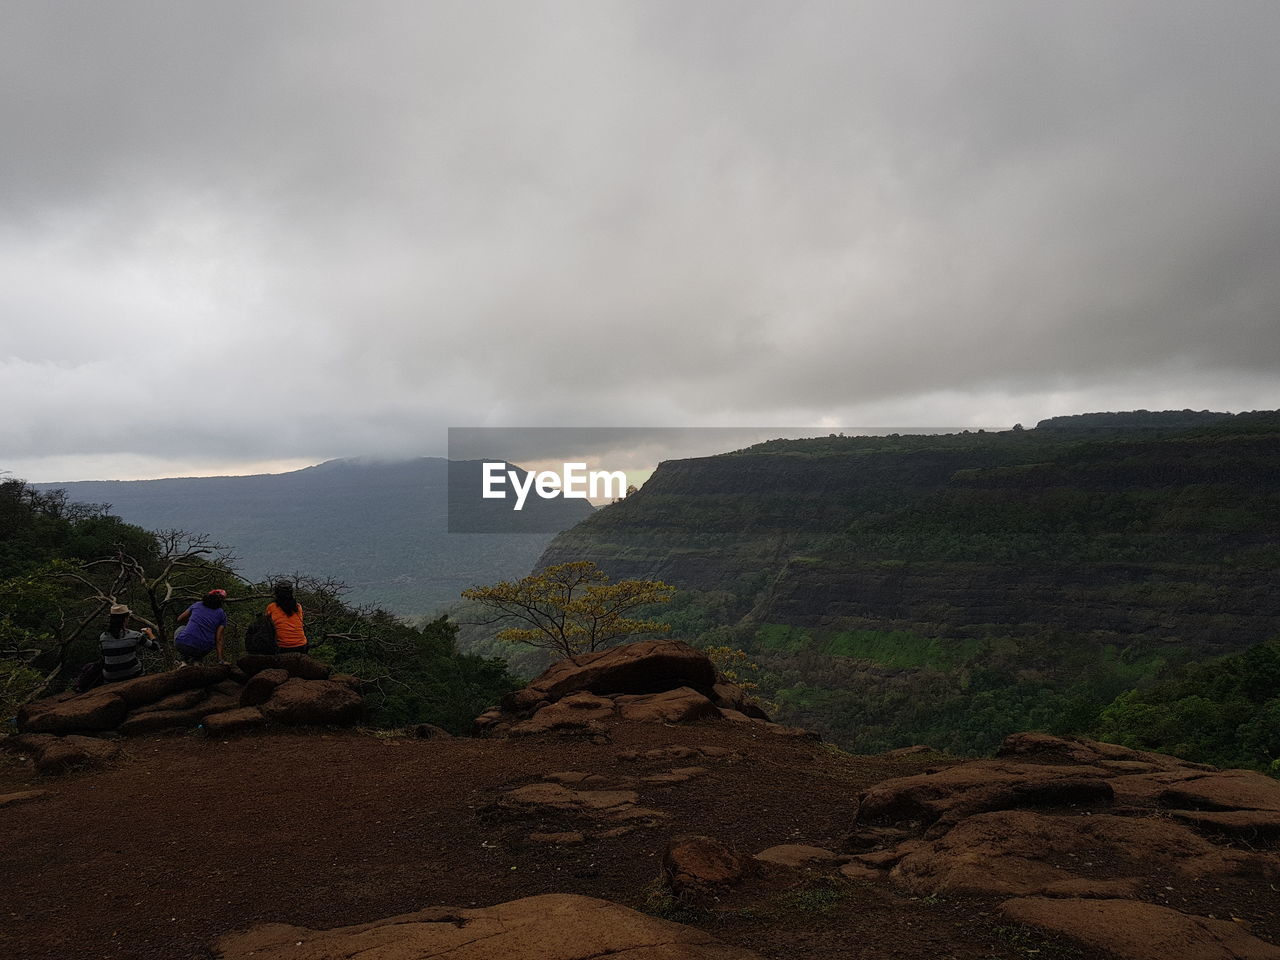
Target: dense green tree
column 1224, row 711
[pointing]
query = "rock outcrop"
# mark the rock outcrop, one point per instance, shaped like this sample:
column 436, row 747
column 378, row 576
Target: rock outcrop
column 548, row 927
column 1141, row 931
column 291, row 689
column 584, row 806
column 101, row 709
column 1079, row 833
column 655, row 681
column 298, row 702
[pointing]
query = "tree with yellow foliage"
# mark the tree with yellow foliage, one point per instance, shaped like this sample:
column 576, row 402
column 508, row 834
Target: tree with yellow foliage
column 571, row 608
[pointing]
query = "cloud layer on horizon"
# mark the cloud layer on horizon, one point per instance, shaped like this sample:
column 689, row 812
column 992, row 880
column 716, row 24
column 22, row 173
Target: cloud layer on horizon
column 243, row 234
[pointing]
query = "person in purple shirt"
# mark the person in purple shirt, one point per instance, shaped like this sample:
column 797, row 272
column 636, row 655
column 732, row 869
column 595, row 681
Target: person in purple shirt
column 203, row 623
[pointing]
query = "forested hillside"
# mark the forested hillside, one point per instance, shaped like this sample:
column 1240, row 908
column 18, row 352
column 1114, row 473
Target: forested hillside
column 62, row 564
column 379, row 526
column 955, row 588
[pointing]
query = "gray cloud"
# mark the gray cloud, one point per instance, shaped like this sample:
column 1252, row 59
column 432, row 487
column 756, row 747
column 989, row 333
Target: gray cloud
column 240, row 234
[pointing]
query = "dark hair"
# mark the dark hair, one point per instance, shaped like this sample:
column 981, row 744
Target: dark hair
column 115, row 626
column 285, row 600
column 212, row 600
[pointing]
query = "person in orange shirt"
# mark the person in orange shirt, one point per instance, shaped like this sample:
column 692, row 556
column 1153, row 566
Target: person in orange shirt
column 286, row 616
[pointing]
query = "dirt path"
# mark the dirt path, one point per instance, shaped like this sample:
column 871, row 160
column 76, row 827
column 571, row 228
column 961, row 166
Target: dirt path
column 191, row 839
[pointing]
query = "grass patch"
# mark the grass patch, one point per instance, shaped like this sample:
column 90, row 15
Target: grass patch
column 811, row 901
column 657, row 901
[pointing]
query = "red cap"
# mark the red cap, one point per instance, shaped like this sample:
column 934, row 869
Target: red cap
column 220, row 593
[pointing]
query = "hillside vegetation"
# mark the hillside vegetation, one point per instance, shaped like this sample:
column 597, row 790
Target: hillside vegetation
column 62, row 564
column 952, row 589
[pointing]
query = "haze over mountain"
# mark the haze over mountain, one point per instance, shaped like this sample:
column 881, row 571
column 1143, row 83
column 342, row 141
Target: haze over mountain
column 380, row 526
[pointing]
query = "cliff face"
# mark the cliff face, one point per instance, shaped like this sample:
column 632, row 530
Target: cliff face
column 1168, row 538
column 1046, row 551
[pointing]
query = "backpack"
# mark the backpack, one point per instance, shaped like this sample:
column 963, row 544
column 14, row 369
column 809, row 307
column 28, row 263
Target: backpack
column 90, row 676
column 260, row 637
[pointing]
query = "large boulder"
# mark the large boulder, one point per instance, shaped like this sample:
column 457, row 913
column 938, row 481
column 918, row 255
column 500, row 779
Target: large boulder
column 198, row 705
column 295, row 664
column 576, row 711
column 670, row 706
column 28, row 710
column 262, row 685
column 649, row 666
column 105, row 707
column 183, row 700
column 152, row 687
column 149, row 721
column 229, row 722
column 554, row 926
column 100, row 709
column 313, row 703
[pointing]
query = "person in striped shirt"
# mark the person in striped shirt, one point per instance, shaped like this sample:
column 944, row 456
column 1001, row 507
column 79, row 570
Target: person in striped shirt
column 120, row 645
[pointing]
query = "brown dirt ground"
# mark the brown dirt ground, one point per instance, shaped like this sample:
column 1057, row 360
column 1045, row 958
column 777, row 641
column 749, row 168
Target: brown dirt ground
column 189, row 839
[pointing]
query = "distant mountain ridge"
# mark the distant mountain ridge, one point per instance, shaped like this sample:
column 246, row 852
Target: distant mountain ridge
column 378, row 525
column 1135, row 420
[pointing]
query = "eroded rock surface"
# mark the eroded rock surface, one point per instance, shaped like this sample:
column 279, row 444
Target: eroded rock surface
column 1080, row 832
column 549, row 927
column 797, row 855
column 597, row 806
column 1027, row 852
column 1134, row 930
column 650, row 666
column 99, row 709
column 671, row 706
column 289, row 689
column 299, row 702
column 652, row 681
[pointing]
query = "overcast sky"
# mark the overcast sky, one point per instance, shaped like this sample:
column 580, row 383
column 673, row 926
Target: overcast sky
column 242, row 236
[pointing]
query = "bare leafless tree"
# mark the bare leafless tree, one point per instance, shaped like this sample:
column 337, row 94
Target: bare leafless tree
column 157, row 587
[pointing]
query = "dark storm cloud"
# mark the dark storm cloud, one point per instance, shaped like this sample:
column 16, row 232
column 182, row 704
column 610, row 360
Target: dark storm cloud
column 245, row 233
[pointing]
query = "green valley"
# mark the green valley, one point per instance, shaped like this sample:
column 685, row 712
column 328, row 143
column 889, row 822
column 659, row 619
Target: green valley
column 951, row 589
